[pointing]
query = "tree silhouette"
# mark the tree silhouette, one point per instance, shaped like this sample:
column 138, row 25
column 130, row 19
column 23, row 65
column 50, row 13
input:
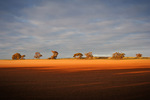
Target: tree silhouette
column 118, row 55
column 55, row 54
column 89, row 55
column 78, row 55
column 16, row 56
column 37, row 55
column 138, row 55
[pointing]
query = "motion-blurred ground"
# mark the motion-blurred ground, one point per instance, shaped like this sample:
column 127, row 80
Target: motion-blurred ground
column 75, row 80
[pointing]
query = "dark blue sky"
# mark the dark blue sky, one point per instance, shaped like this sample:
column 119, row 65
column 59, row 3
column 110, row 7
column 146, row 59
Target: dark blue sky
column 71, row 26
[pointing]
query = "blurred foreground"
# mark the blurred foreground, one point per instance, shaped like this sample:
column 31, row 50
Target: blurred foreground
column 75, row 79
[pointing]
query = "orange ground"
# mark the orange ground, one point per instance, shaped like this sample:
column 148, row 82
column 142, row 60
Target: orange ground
column 75, row 79
column 78, row 65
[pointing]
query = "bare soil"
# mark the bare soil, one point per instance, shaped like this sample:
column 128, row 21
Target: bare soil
column 75, row 79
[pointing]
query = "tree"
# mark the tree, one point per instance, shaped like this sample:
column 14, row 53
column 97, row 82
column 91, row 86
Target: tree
column 78, row 55
column 16, row 56
column 37, row 55
column 138, row 55
column 54, row 56
column 118, row 55
column 89, row 55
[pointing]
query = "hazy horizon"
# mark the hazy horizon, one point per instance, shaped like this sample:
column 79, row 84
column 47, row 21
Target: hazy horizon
column 71, row 26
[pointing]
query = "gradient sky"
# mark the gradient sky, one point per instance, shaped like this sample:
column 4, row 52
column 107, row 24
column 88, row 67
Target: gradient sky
column 70, row 26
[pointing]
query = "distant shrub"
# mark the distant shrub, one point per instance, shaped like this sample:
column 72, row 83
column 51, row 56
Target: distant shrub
column 138, row 55
column 16, row 56
column 118, row 55
column 22, row 57
column 54, row 56
column 78, row 55
column 96, row 57
column 129, row 57
column 37, row 55
column 103, row 57
column 89, row 55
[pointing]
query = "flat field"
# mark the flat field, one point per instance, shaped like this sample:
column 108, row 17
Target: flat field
column 75, row 79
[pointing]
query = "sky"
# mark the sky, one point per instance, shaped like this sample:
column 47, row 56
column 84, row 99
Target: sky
column 71, row 26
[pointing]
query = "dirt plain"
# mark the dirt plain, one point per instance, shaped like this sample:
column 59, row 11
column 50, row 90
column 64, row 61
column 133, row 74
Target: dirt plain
column 75, row 79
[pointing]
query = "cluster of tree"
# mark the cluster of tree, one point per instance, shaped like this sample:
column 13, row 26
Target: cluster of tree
column 88, row 55
column 54, row 56
column 37, row 55
column 118, row 55
column 79, row 55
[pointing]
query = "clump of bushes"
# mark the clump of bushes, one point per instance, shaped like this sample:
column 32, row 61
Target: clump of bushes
column 138, row 55
column 54, row 56
column 89, row 55
column 118, row 55
column 37, row 55
column 78, row 55
column 17, row 56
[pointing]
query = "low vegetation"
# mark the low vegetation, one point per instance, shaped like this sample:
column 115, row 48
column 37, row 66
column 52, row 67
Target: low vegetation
column 138, row 55
column 78, row 55
column 54, row 56
column 37, row 55
column 17, row 56
column 89, row 55
column 118, row 55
